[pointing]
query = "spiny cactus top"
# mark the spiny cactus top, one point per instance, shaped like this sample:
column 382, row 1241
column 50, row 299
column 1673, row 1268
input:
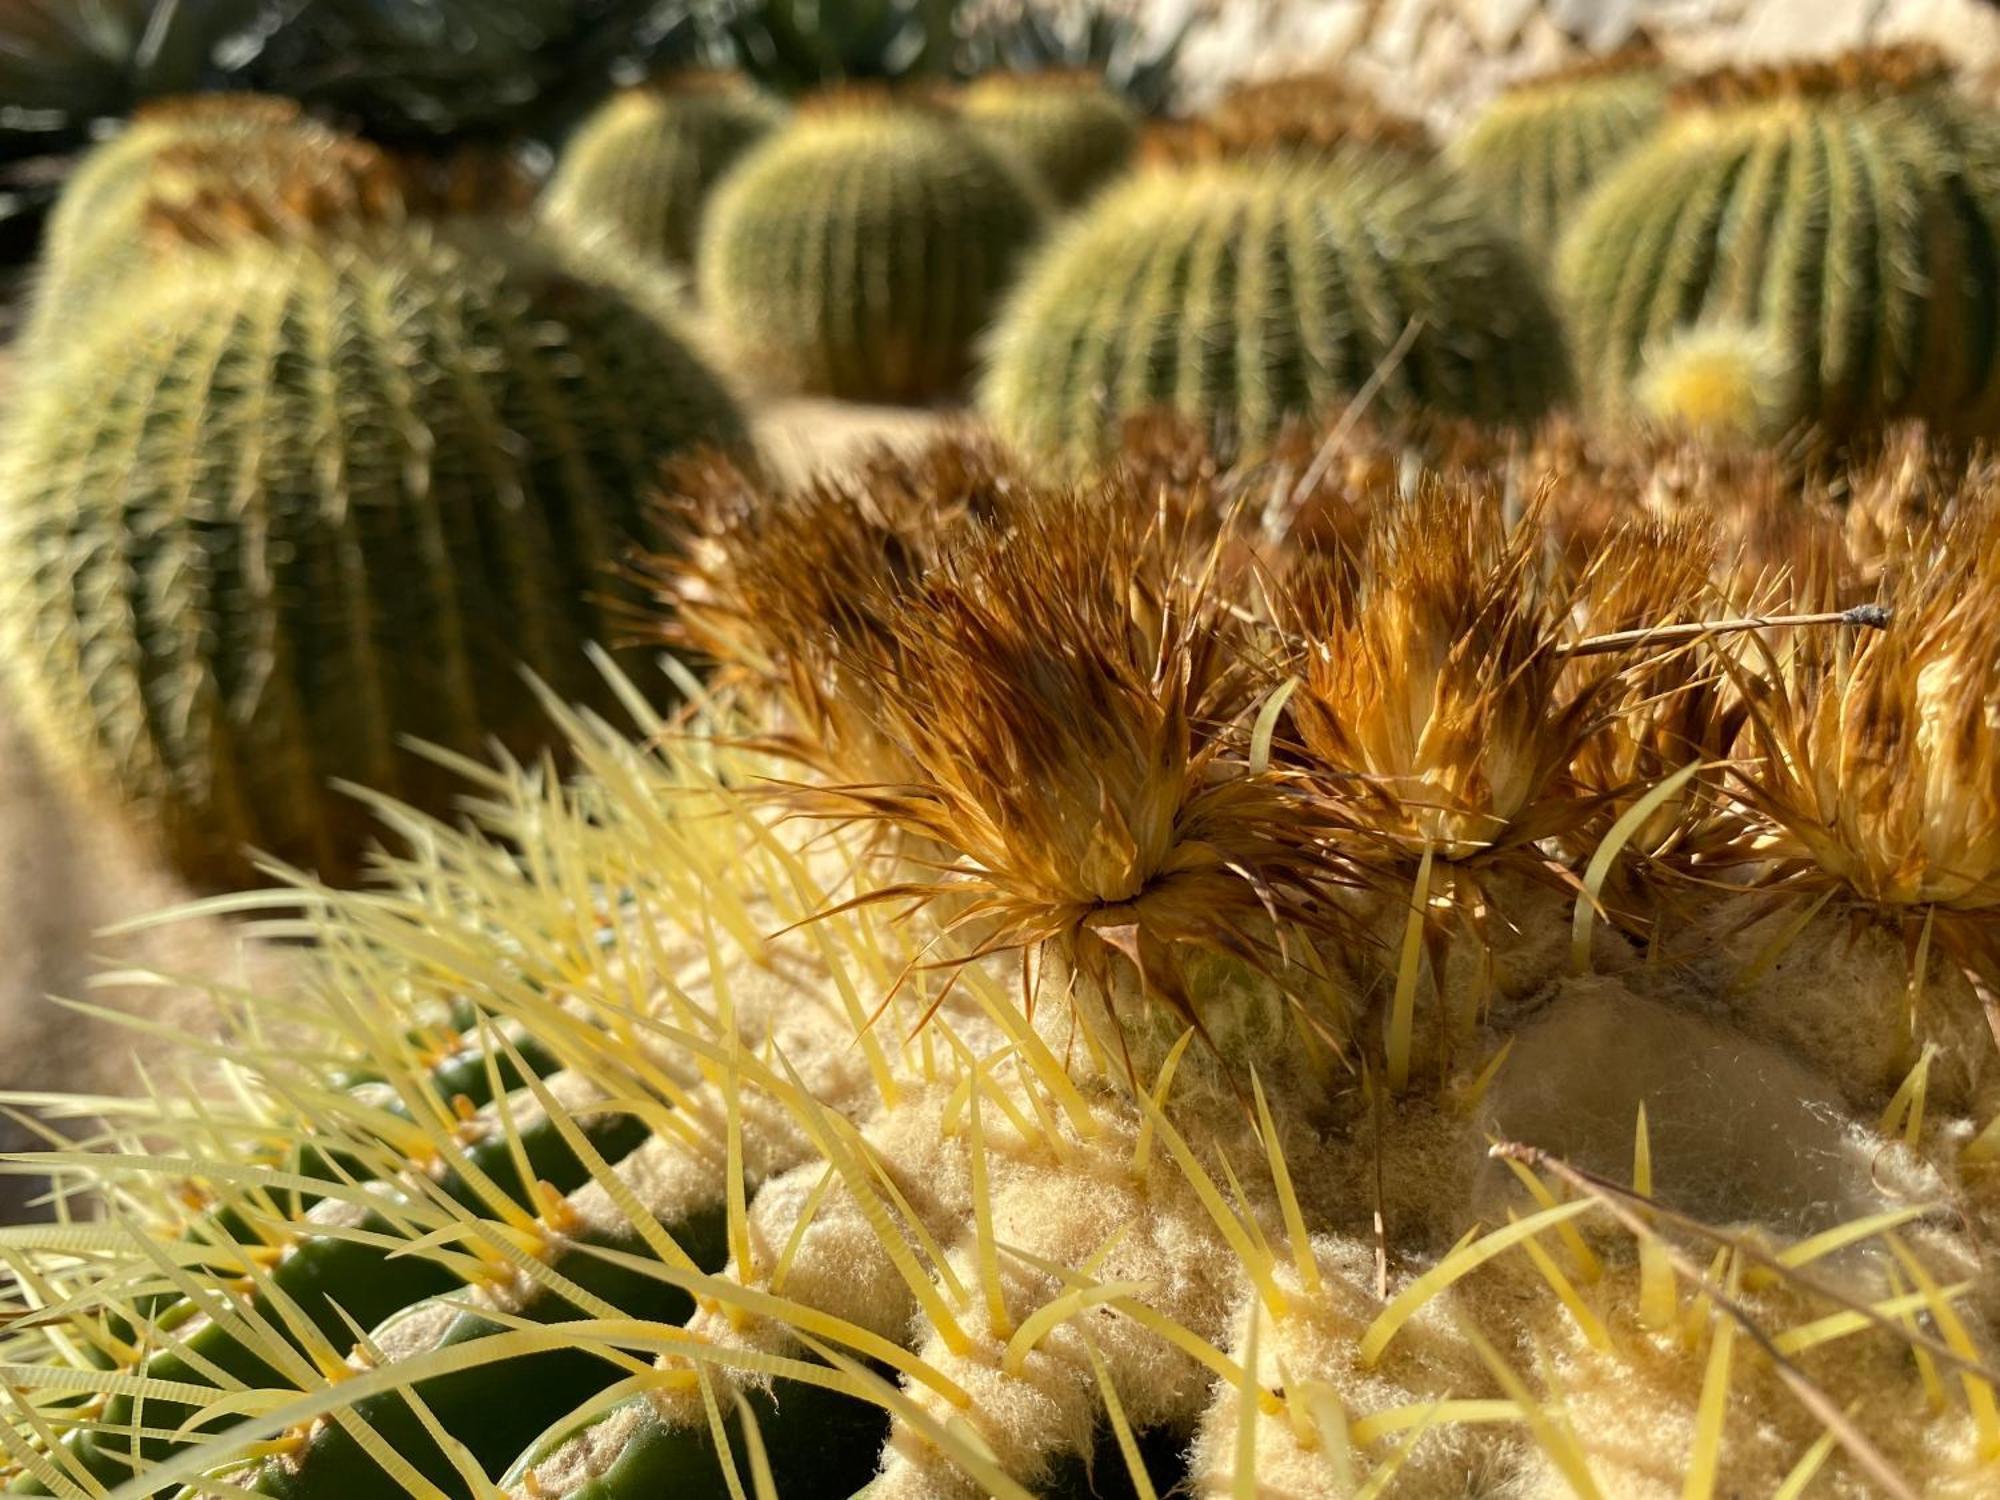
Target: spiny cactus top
column 861, row 251
column 1849, row 208
column 1179, row 1046
column 639, row 171
column 174, row 152
column 1538, row 148
column 1072, row 130
column 1244, row 293
column 1305, row 114
column 290, row 502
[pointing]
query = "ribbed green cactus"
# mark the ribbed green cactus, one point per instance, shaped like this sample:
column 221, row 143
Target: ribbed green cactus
column 291, row 504
column 1069, row 127
column 639, row 171
column 1242, row 294
column 1851, row 208
column 861, row 252
column 1536, row 151
column 177, row 148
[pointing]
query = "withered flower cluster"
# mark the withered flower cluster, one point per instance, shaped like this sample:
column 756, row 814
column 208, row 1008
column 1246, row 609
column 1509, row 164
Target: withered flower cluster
column 1182, row 707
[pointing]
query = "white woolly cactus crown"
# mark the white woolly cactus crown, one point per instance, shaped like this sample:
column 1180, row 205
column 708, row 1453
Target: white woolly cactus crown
column 1090, row 1000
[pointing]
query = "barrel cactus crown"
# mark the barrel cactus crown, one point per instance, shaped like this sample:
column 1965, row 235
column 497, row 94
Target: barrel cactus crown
column 1305, row 115
column 1848, row 207
column 248, row 145
column 861, row 251
column 296, row 499
column 640, row 170
column 1210, row 1066
column 1245, row 293
column 1538, row 149
column 1069, row 127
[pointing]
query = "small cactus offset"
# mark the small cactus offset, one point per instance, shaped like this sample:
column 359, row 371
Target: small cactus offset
column 295, row 499
column 1721, row 383
column 861, row 252
column 1072, row 130
column 1848, row 208
column 1245, row 293
column 1112, row 998
column 639, row 171
column 1536, row 150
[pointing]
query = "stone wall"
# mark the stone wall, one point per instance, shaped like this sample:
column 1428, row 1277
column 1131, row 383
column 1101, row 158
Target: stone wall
column 1442, row 58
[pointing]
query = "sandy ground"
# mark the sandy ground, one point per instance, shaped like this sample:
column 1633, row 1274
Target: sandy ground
column 70, row 869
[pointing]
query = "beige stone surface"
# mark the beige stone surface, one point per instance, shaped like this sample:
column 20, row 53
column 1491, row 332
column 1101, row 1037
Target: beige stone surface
column 1443, row 58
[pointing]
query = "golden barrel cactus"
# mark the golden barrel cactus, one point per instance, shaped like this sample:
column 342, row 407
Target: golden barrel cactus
column 1107, row 996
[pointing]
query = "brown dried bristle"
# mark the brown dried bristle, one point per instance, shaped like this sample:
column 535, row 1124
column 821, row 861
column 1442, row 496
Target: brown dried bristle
column 1662, row 708
column 1641, row 56
column 1433, row 699
column 1037, row 81
column 681, row 82
column 276, row 188
column 220, row 108
column 1315, row 114
column 878, row 98
column 1866, row 73
column 1873, row 764
column 272, row 186
column 785, row 593
column 1069, row 693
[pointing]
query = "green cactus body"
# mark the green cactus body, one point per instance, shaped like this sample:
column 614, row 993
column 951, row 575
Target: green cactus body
column 1071, row 130
column 1242, row 294
column 293, row 505
column 97, row 233
column 639, row 171
column 861, row 252
column 1538, row 149
column 113, row 178
column 1858, row 225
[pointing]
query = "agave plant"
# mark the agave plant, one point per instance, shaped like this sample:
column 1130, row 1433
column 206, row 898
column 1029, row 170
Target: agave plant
column 795, row 45
column 1100, row 36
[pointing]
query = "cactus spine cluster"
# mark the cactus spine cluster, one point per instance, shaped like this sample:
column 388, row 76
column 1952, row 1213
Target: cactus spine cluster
column 1109, row 1097
column 1072, row 130
column 174, row 153
column 294, row 501
column 640, row 170
column 1244, row 293
column 860, row 252
column 1537, row 150
column 1849, row 208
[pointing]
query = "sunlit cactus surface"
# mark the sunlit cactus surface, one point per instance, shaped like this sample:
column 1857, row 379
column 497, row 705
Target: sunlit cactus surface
column 1318, row 977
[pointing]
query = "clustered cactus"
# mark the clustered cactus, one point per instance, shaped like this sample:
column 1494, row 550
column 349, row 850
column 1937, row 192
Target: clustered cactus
column 1538, row 149
column 176, row 151
column 1341, row 938
column 1848, row 209
column 639, row 171
column 1246, row 292
column 1046, row 1020
column 1073, row 132
column 309, row 489
column 861, row 252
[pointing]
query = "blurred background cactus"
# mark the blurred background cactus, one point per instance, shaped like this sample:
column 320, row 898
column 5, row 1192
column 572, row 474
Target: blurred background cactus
column 310, row 488
column 176, row 152
column 1537, row 149
column 1242, row 294
column 638, row 171
column 1070, row 129
column 861, row 251
column 1850, row 208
